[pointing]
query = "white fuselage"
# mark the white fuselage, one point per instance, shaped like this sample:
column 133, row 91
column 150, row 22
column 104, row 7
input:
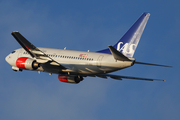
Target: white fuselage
column 76, row 62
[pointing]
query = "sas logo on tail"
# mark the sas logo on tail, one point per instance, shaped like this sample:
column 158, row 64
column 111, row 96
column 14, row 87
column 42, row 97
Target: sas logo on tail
column 127, row 48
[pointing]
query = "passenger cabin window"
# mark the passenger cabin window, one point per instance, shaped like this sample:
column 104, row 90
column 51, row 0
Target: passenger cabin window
column 66, row 57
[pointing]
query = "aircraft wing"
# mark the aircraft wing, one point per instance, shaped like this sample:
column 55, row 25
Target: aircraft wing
column 34, row 51
column 118, row 77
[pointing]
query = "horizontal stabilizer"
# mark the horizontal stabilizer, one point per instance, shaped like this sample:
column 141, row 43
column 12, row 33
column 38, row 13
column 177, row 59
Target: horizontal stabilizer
column 117, row 55
column 151, row 64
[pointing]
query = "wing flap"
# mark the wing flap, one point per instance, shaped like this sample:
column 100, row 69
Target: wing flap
column 37, row 52
column 118, row 77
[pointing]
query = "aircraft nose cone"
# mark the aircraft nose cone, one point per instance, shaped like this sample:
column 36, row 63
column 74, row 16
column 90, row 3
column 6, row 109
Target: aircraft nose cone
column 7, row 58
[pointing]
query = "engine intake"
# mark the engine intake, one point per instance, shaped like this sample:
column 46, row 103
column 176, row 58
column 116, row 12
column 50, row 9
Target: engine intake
column 27, row 63
column 70, row 79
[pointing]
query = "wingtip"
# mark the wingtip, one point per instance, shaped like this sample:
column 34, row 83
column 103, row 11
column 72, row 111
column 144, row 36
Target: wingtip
column 160, row 80
column 146, row 13
column 14, row 32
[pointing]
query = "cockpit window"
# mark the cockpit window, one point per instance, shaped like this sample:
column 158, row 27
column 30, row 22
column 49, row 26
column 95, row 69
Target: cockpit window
column 13, row 52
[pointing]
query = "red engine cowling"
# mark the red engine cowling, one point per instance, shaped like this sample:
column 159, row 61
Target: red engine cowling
column 27, row 63
column 70, row 79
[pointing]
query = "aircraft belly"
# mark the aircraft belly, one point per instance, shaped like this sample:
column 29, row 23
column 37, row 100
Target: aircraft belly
column 84, row 69
column 94, row 69
column 117, row 65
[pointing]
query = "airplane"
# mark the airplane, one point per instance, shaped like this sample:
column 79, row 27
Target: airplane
column 72, row 66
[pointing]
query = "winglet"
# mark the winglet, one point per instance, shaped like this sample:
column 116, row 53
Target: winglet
column 34, row 51
column 23, row 42
column 117, row 55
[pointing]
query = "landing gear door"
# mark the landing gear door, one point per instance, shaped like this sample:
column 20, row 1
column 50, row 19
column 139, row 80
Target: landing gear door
column 99, row 60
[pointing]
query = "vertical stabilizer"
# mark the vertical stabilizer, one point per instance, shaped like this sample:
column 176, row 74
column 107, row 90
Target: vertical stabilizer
column 128, row 43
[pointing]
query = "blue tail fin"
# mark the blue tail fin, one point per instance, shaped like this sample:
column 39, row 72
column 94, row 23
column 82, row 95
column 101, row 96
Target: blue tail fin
column 128, row 43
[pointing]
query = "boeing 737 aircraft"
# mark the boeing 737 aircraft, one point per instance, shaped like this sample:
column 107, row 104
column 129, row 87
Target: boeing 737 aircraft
column 72, row 66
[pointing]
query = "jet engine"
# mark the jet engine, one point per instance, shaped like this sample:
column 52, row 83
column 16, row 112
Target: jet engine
column 27, row 63
column 70, row 79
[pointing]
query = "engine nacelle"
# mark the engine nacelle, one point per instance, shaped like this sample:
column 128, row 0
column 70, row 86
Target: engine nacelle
column 27, row 63
column 70, row 79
